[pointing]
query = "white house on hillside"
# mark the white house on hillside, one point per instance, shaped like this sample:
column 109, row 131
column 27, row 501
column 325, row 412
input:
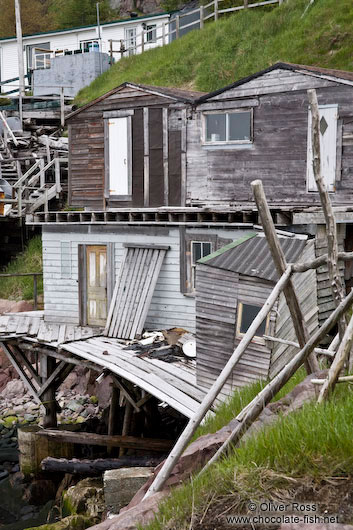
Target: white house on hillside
column 40, row 48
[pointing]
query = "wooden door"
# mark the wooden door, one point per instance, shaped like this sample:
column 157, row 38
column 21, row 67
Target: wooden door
column 328, row 148
column 96, row 273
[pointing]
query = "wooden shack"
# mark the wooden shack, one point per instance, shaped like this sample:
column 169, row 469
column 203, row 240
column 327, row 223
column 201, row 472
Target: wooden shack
column 232, row 286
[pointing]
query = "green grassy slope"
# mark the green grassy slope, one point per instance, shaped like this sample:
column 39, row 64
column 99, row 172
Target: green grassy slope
column 28, row 261
column 239, row 45
column 299, row 455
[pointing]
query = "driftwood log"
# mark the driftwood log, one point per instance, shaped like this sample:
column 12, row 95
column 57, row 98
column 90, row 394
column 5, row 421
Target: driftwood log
column 98, row 466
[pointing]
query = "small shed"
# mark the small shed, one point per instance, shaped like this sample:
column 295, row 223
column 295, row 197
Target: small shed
column 232, row 285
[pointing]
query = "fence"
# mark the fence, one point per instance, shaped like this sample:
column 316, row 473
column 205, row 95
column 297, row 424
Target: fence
column 179, row 25
column 35, row 283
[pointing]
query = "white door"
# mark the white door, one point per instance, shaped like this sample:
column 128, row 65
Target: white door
column 130, row 39
column 328, row 146
column 118, row 156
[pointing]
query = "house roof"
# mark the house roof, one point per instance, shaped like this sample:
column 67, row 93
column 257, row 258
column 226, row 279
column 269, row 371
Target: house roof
column 90, row 26
column 336, row 75
column 175, row 94
column 251, row 256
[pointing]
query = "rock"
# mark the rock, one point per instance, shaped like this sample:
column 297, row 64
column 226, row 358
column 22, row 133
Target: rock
column 11, row 306
column 73, row 405
column 13, row 389
column 120, row 485
column 86, row 497
column 40, row 491
column 73, row 522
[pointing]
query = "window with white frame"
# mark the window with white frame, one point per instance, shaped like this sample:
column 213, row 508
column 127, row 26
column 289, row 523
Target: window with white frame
column 151, row 33
column 231, row 127
column 199, row 249
column 246, row 314
column 89, row 45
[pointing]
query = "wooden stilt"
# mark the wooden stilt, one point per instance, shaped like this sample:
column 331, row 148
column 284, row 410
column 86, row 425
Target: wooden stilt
column 114, row 407
column 25, row 379
column 47, row 367
column 126, row 424
column 281, row 265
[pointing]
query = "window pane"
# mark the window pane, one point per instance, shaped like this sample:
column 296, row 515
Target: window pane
column 151, row 33
column 239, row 126
column 215, row 127
column 206, row 249
column 248, row 315
column 196, row 252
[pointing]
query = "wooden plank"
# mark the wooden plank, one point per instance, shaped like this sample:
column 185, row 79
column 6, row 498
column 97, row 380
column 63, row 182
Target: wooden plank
column 165, row 157
column 128, row 442
column 56, row 373
column 21, row 356
column 146, row 170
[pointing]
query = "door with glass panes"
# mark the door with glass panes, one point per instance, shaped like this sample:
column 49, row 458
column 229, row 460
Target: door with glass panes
column 96, row 273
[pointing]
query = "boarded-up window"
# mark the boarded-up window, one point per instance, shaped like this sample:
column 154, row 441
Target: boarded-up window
column 65, row 248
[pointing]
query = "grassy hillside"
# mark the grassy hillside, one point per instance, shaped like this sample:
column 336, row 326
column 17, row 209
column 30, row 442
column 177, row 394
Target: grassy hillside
column 28, row 261
column 239, row 45
column 304, row 456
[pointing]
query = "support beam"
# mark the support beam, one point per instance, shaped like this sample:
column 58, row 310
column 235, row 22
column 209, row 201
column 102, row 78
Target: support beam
column 113, row 413
column 281, row 265
column 60, row 368
column 126, row 424
column 25, row 379
column 47, row 368
column 128, row 442
column 125, row 392
column 33, row 373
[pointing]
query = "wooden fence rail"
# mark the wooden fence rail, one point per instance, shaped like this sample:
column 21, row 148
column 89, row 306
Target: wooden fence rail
column 163, row 31
column 35, row 282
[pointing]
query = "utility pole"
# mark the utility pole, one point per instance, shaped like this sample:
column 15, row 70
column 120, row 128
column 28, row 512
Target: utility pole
column 99, row 39
column 21, row 74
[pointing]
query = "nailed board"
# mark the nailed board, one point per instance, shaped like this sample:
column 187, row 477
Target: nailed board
column 134, row 289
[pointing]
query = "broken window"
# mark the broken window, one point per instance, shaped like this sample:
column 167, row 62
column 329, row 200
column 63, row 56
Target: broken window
column 228, row 127
column 246, row 314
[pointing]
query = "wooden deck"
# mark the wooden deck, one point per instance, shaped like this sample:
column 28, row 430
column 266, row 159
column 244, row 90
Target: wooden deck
column 173, row 383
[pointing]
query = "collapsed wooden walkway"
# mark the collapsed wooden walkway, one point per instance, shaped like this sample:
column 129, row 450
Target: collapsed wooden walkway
column 172, row 383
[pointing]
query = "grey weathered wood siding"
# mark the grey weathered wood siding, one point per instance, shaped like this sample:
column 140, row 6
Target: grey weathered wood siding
column 169, row 307
column 305, row 287
column 87, row 146
column 278, row 154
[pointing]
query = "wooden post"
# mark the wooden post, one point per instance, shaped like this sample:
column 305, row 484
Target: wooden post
column 143, row 41
column 114, row 406
column 217, row 386
column 19, row 201
column 126, row 424
column 177, row 26
column 47, row 367
column 163, row 33
column 216, row 9
column 111, row 51
column 281, row 265
column 20, row 48
column 62, row 107
column 246, row 4
column 35, row 292
column 331, row 227
column 252, row 411
column 338, row 363
column 202, row 15
column 57, row 176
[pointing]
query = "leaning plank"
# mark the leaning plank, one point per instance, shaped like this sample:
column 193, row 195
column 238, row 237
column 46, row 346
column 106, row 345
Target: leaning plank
column 257, row 405
column 128, row 442
column 25, row 379
column 96, row 467
column 338, row 362
column 115, row 293
column 217, row 386
column 280, row 264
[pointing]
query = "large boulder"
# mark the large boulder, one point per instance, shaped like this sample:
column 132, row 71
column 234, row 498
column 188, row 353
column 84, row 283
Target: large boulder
column 120, row 486
column 11, row 306
column 85, row 498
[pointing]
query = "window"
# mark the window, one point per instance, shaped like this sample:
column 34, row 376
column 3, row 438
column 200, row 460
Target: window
column 151, row 33
column 228, row 127
column 199, row 249
column 37, row 57
column 89, row 45
column 245, row 316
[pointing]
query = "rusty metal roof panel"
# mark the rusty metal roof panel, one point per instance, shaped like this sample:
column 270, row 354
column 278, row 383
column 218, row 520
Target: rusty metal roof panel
column 253, row 258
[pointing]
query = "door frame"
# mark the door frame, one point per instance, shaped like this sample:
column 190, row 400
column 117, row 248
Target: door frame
column 82, row 276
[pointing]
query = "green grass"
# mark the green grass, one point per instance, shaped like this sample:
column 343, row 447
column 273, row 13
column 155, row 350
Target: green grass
column 240, row 45
column 312, row 445
column 28, row 261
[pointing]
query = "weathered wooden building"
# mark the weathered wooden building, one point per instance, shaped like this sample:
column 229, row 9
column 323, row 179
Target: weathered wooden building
column 164, row 166
column 232, row 286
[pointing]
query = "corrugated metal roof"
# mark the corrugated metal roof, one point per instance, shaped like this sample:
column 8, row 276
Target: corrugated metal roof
column 252, row 257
